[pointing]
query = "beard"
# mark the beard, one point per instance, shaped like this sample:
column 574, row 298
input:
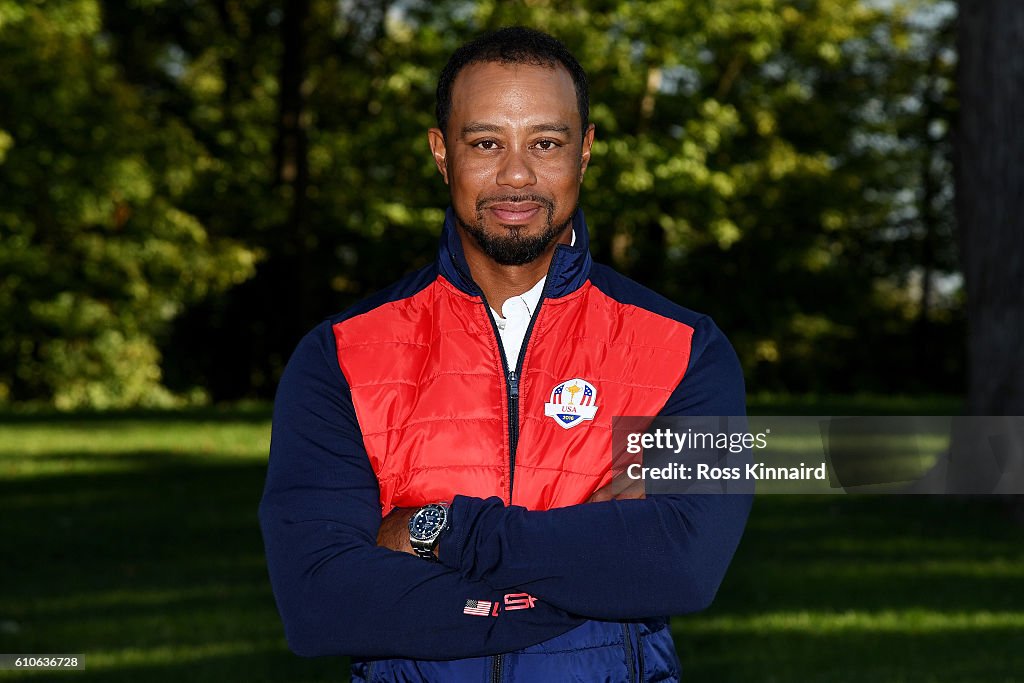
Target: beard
column 512, row 247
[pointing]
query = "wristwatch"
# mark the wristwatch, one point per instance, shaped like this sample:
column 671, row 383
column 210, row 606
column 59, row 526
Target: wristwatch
column 426, row 527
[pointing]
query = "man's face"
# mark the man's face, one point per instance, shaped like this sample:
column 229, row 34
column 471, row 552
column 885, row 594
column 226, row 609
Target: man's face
column 513, row 157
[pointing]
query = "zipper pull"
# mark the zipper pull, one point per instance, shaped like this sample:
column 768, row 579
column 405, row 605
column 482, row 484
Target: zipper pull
column 513, row 384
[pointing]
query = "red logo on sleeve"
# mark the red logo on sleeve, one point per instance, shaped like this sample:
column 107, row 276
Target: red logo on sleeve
column 515, row 601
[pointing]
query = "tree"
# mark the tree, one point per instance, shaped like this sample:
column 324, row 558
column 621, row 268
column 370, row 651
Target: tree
column 781, row 165
column 990, row 188
column 761, row 160
column 97, row 255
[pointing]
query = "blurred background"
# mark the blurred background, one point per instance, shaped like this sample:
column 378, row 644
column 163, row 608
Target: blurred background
column 187, row 187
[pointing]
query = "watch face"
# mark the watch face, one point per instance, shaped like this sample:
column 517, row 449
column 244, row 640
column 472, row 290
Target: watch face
column 427, row 522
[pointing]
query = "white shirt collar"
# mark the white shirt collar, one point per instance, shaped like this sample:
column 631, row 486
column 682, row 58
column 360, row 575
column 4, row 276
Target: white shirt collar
column 532, row 297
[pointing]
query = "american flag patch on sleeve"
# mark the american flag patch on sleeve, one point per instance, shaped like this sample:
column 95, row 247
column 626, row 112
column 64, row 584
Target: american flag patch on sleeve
column 480, row 608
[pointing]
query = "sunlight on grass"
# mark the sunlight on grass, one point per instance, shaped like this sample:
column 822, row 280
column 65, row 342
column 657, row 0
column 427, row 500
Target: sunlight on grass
column 905, row 621
column 116, row 659
column 79, row 447
column 848, row 570
column 136, row 598
column 911, row 443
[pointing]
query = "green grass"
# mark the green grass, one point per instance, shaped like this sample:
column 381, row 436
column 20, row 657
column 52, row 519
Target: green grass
column 909, row 588
column 133, row 539
column 855, row 404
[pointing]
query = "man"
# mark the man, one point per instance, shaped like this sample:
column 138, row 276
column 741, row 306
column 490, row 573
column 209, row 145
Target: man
column 439, row 501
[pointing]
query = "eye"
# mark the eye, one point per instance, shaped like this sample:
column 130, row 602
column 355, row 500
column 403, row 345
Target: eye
column 486, row 144
column 546, row 145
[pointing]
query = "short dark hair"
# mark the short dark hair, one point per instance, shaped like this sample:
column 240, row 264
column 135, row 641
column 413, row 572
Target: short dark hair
column 511, row 45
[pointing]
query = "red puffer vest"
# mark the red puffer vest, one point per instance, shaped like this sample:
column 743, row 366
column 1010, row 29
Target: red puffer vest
column 440, row 414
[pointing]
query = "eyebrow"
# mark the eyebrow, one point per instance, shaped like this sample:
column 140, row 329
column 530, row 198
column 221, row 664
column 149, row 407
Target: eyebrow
column 475, row 127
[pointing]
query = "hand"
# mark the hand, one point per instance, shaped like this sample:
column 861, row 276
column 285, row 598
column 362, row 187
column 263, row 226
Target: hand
column 622, row 487
column 394, row 530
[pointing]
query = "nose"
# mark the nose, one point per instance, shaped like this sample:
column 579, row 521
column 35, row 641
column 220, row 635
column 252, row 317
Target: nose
column 516, row 171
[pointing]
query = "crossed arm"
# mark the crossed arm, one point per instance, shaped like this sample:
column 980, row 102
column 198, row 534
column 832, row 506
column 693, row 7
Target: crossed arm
column 339, row 592
column 394, row 529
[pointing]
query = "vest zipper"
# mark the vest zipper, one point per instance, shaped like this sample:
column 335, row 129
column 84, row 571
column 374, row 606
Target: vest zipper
column 512, row 386
column 513, row 425
column 496, row 669
column 639, row 655
column 512, row 395
column 627, row 643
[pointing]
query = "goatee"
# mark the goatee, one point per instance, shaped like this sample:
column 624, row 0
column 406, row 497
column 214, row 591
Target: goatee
column 512, row 247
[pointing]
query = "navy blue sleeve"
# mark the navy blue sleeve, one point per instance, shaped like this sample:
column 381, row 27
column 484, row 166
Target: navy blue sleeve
column 337, row 592
column 666, row 554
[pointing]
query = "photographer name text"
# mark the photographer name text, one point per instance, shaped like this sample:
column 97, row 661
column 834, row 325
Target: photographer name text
column 704, row 472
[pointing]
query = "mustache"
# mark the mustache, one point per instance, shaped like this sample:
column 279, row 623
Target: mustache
column 483, row 203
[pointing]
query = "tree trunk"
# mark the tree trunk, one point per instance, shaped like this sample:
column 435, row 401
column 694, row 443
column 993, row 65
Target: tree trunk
column 990, row 190
column 292, row 167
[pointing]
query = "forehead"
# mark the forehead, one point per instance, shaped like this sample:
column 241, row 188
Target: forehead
column 501, row 93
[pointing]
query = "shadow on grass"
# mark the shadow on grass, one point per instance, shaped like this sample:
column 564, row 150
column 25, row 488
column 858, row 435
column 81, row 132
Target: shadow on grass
column 851, row 588
column 874, row 553
column 155, row 572
column 149, row 572
column 947, row 656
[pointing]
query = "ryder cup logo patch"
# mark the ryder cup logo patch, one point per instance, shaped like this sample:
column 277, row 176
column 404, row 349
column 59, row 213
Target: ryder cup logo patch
column 572, row 402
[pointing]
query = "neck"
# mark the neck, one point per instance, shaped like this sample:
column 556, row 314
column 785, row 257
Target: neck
column 500, row 283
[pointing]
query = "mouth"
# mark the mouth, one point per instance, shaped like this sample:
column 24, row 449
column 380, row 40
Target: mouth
column 515, row 213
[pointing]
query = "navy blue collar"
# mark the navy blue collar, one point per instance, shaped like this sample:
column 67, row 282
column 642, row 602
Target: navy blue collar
column 570, row 266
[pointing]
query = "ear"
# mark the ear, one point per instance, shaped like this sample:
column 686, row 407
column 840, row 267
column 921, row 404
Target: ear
column 437, row 147
column 588, row 142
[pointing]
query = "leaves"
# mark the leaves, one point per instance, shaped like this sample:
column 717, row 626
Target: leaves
column 97, row 254
column 771, row 163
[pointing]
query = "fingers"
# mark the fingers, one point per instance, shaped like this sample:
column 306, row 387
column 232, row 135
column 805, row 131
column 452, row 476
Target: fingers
column 630, row 489
column 621, row 487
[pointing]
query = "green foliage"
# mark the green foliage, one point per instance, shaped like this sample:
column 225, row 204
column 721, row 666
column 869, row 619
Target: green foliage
column 782, row 166
column 97, row 256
